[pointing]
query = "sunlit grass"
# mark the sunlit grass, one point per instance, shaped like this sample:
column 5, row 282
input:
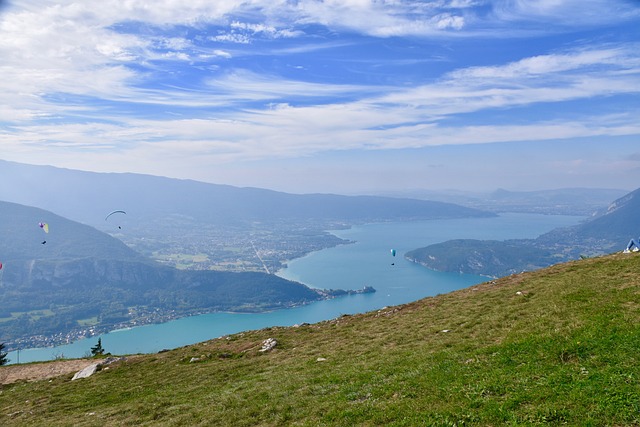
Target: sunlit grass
column 554, row 347
column 181, row 261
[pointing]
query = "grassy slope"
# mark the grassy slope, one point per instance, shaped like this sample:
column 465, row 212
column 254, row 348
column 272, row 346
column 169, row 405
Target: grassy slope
column 562, row 352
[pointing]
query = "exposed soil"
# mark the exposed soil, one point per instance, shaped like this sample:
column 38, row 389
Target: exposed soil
column 40, row 371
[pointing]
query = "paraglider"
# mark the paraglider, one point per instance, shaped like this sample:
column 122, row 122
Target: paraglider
column 45, row 227
column 115, row 212
column 393, row 254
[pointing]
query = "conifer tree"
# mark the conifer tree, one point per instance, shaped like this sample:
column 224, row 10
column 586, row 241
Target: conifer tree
column 3, row 355
column 97, row 349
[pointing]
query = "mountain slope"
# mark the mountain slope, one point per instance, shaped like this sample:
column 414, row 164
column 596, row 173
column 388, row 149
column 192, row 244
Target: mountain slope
column 619, row 223
column 81, row 273
column 606, row 232
column 553, row 347
column 22, row 237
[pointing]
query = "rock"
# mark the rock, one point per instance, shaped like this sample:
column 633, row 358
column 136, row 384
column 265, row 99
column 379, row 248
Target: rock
column 93, row 368
column 268, row 345
column 86, row 372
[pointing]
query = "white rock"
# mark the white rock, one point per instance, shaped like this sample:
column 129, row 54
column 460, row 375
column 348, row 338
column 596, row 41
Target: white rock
column 86, row 372
column 268, row 344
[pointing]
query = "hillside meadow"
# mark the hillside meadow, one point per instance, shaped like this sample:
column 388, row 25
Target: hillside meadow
column 557, row 346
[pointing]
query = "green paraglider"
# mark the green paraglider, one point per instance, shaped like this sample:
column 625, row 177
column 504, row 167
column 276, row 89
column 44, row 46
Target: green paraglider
column 393, row 252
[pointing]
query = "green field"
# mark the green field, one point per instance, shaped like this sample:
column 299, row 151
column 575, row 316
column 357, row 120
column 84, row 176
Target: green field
column 181, row 261
column 556, row 347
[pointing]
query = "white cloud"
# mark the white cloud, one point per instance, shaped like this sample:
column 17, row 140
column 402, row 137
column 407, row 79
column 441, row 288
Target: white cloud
column 61, row 62
column 565, row 12
column 547, row 65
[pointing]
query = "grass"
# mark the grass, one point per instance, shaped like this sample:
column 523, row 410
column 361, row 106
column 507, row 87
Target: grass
column 554, row 347
column 182, row 261
column 91, row 321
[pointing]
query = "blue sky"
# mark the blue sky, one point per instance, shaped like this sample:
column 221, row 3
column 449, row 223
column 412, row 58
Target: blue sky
column 351, row 96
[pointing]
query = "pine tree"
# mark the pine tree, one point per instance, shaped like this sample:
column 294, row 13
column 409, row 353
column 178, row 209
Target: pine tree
column 3, row 355
column 97, row 349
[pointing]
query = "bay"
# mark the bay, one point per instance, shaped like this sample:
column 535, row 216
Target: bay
column 365, row 262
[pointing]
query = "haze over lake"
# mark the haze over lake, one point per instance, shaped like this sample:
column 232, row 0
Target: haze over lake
column 366, row 262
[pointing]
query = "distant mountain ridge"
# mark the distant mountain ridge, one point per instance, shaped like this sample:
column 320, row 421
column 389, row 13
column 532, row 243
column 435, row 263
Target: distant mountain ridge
column 201, row 226
column 87, row 196
column 562, row 201
column 608, row 231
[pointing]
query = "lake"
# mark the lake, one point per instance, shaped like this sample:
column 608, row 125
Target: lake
column 366, row 262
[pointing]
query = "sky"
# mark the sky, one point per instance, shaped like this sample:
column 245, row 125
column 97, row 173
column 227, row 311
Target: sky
column 333, row 96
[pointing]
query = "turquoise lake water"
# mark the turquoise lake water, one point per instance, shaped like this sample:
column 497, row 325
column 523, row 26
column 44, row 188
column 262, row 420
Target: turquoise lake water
column 367, row 262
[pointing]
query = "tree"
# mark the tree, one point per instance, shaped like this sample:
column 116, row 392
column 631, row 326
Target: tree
column 97, row 349
column 3, row 355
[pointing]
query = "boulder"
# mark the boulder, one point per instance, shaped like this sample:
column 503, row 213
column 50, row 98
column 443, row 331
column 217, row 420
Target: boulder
column 86, row 372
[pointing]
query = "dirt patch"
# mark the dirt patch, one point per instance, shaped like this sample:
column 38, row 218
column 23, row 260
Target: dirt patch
column 40, row 371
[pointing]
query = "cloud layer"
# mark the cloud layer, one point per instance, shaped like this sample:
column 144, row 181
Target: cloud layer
column 102, row 85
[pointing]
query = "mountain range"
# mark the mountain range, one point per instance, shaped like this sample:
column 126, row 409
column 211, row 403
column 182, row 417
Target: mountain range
column 88, row 196
column 196, row 225
column 87, row 274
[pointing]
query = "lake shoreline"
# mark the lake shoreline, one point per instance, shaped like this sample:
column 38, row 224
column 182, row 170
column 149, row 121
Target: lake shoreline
column 365, row 262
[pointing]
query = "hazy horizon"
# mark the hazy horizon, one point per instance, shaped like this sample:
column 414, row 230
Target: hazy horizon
column 344, row 97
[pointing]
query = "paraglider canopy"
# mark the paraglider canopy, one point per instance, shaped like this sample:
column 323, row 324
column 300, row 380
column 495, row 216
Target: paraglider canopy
column 393, row 252
column 44, row 226
column 114, row 212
